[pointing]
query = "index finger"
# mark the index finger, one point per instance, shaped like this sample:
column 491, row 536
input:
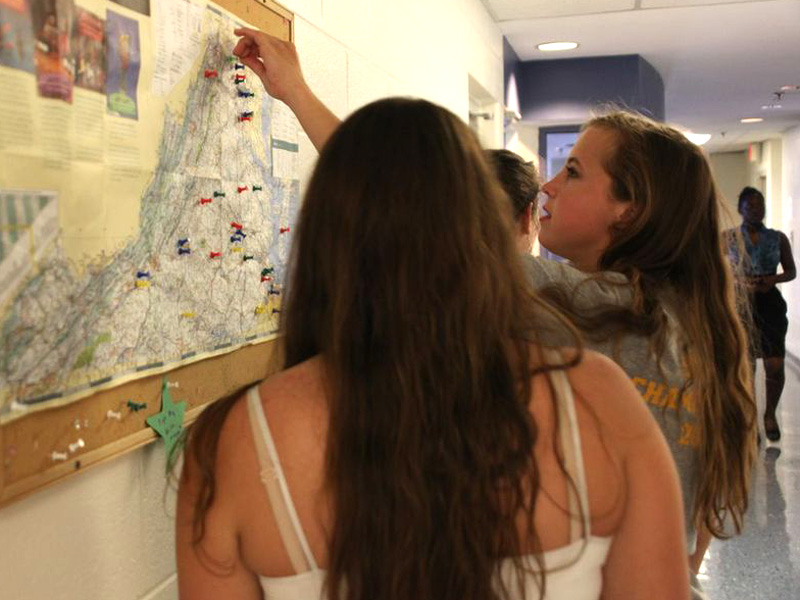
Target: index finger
column 246, row 31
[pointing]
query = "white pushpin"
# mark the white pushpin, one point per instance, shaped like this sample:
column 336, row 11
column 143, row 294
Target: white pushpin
column 173, row 384
column 58, row 456
column 77, row 445
column 112, row 414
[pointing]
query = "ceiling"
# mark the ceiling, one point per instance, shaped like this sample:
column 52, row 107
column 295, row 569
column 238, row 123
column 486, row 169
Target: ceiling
column 721, row 60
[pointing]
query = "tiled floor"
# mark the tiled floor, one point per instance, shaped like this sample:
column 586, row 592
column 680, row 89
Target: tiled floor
column 764, row 562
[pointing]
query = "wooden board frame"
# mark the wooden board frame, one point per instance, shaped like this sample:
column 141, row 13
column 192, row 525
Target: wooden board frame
column 27, row 443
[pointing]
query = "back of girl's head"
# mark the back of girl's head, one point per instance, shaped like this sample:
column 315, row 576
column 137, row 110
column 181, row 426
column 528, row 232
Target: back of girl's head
column 518, row 178
column 403, row 226
column 405, row 279
column 672, row 242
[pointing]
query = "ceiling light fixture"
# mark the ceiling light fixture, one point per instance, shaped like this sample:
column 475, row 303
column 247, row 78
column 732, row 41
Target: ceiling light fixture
column 751, row 120
column 698, row 139
column 557, row 46
column 790, row 88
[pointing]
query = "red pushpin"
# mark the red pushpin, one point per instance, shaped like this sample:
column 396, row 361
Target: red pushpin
column 239, row 79
column 205, row 200
column 284, row 229
column 236, row 225
column 242, row 119
column 265, row 278
column 241, row 189
column 211, row 73
column 214, row 254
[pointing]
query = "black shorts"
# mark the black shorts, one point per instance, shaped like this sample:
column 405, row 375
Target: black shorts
column 770, row 324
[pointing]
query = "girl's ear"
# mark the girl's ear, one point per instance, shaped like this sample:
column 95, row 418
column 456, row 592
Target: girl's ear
column 626, row 213
column 525, row 221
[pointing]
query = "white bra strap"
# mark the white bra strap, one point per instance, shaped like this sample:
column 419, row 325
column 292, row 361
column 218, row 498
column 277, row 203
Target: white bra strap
column 573, row 452
column 291, row 532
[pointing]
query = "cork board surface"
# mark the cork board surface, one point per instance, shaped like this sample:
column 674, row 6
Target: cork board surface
column 112, row 422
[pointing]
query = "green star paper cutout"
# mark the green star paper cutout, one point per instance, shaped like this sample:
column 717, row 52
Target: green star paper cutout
column 169, row 422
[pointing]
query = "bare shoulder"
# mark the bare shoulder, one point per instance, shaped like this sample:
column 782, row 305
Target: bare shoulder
column 292, row 400
column 611, row 396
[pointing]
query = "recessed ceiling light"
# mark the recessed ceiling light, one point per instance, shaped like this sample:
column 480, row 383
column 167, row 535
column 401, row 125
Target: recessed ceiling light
column 751, row 120
column 557, row 46
column 790, row 88
column 697, row 139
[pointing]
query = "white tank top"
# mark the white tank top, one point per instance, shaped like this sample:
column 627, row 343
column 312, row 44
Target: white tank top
column 573, row 571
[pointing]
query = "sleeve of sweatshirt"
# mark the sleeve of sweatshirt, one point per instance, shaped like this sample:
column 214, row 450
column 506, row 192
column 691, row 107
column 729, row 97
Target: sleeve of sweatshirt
column 590, row 289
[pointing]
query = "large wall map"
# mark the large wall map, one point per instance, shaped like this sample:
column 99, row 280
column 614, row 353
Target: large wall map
column 204, row 271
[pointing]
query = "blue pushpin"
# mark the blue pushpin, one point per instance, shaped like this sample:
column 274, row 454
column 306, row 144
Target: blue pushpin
column 241, row 233
column 184, row 251
column 238, row 66
column 235, row 238
column 245, row 94
column 182, row 242
column 143, row 274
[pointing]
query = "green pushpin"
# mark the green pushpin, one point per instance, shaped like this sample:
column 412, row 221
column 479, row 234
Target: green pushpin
column 257, row 188
column 248, row 257
column 267, row 271
column 136, row 406
column 219, row 194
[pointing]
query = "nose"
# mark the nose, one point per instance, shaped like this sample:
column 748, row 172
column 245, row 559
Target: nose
column 549, row 188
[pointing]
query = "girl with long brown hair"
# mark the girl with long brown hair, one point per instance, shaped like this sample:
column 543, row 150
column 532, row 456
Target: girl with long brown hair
column 636, row 211
column 420, row 442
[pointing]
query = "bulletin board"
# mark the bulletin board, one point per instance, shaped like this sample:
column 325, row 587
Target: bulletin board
column 46, row 446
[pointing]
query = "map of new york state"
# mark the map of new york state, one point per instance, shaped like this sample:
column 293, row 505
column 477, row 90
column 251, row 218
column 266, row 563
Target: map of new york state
column 205, row 273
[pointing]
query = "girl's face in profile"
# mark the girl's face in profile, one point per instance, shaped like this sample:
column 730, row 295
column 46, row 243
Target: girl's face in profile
column 578, row 217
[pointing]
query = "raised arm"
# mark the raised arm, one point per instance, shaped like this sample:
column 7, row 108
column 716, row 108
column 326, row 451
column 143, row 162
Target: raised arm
column 277, row 65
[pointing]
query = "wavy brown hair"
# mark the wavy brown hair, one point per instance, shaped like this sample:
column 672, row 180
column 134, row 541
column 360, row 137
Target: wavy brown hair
column 673, row 249
column 405, row 279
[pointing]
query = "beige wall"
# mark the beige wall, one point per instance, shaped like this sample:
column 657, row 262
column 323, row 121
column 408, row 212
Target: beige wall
column 107, row 534
column 731, row 173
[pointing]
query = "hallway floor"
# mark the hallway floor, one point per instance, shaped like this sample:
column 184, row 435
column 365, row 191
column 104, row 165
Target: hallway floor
column 764, row 562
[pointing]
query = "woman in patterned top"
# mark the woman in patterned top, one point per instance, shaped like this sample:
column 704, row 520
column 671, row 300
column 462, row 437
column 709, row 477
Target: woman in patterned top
column 766, row 248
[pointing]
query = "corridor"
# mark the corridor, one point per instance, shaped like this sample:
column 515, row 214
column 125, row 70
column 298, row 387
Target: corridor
column 764, row 562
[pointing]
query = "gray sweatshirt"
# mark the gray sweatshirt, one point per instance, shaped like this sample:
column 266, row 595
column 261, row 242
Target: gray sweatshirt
column 661, row 388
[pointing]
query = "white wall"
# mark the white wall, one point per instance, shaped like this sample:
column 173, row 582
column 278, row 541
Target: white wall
column 107, row 533
column 789, row 225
